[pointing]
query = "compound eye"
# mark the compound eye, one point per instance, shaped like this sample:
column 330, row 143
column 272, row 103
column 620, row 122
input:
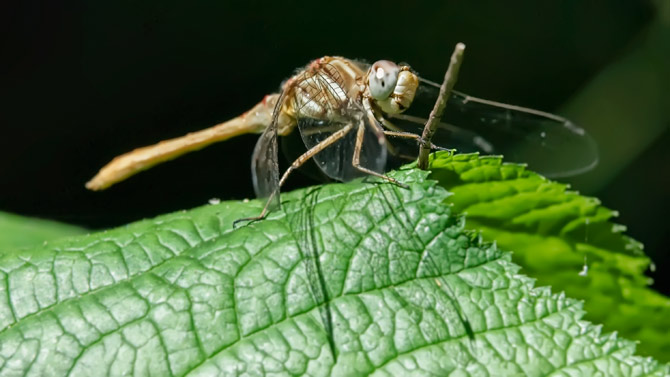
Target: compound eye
column 382, row 79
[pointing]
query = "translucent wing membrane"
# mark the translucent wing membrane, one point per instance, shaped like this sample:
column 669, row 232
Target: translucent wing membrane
column 265, row 165
column 549, row 143
column 337, row 159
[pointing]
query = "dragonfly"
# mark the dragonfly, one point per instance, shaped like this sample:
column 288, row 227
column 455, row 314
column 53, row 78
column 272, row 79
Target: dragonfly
column 352, row 118
column 347, row 112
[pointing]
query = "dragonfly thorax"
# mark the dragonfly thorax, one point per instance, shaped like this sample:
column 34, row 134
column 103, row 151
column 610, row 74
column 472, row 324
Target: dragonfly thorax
column 327, row 88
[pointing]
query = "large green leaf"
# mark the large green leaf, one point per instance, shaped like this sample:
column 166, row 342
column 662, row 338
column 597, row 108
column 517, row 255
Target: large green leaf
column 19, row 231
column 562, row 239
column 404, row 289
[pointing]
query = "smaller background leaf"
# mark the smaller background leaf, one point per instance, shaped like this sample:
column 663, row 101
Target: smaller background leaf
column 564, row 240
column 20, row 231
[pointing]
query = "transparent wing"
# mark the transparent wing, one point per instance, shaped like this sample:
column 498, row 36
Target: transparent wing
column 292, row 147
column 264, row 162
column 337, row 160
column 548, row 143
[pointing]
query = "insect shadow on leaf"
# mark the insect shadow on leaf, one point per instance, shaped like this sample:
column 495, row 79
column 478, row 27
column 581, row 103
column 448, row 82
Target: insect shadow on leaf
column 304, row 228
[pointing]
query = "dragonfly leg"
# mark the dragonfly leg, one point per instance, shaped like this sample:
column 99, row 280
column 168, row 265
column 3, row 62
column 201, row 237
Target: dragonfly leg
column 264, row 212
column 392, row 130
column 295, row 165
column 325, row 143
column 382, row 124
column 385, row 122
column 356, row 161
column 409, row 135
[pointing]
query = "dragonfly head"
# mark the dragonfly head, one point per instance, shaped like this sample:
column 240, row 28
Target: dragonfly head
column 391, row 86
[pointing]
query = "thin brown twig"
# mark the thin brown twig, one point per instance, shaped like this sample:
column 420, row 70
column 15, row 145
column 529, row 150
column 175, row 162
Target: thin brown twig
column 436, row 114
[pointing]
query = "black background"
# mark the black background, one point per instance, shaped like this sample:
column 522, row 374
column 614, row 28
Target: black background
column 85, row 81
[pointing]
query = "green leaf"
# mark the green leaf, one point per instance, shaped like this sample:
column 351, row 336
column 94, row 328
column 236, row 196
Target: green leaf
column 19, row 231
column 554, row 233
column 405, row 290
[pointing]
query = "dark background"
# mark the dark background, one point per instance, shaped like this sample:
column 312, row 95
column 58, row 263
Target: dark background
column 85, row 81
